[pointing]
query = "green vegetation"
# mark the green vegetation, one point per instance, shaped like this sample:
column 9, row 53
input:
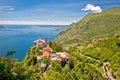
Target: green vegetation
column 5, row 69
column 106, row 50
column 56, row 47
column 86, row 62
column 7, row 66
column 80, row 67
column 98, row 36
column 10, row 52
column 92, row 26
column 29, row 68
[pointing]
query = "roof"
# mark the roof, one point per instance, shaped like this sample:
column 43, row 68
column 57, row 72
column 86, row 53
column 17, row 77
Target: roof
column 63, row 54
column 46, row 53
column 43, row 65
column 39, row 41
column 39, row 57
column 59, row 59
column 43, row 62
column 47, row 49
column 53, row 58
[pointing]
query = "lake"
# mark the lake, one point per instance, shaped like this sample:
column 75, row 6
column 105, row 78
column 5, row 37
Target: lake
column 21, row 37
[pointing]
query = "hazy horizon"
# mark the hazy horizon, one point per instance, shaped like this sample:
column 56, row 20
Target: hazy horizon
column 50, row 12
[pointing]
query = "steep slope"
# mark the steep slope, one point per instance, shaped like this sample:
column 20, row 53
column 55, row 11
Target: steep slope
column 91, row 26
column 106, row 50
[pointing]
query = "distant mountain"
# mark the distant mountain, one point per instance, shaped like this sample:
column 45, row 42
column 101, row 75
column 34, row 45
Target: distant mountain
column 1, row 26
column 94, row 25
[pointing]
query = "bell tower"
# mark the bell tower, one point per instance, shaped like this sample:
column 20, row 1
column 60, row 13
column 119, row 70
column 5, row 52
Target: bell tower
column 46, row 40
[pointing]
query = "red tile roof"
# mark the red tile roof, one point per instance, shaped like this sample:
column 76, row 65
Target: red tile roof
column 46, row 53
column 47, row 49
column 59, row 59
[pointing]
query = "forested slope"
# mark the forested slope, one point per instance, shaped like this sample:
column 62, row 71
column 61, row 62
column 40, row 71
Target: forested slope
column 91, row 26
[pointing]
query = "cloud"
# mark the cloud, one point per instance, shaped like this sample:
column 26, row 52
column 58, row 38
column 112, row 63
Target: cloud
column 93, row 8
column 6, row 8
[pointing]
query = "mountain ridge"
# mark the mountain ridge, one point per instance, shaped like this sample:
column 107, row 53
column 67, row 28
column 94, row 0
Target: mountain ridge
column 91, row 26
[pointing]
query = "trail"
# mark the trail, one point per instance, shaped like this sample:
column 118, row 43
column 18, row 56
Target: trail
column 89, row 57
column 105, row 68
column 107, row 72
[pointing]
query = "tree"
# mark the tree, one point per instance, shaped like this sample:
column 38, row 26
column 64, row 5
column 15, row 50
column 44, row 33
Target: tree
column 5, row 70
column 56, row 47
column 10, row 52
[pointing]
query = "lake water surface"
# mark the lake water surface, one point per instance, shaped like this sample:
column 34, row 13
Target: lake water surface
column 21, row 38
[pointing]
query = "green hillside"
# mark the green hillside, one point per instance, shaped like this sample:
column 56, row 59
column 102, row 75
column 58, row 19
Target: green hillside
column 98, row 58
column 106, row 50
column 87, row 62
column 91, row 26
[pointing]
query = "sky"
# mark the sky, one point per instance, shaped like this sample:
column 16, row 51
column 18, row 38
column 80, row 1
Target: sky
column 50, row 11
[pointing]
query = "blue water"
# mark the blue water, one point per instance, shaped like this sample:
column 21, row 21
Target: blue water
column 21, row 38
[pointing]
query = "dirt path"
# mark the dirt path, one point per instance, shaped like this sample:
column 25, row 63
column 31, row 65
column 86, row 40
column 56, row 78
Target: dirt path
column 89, row 57
column 107, row 72
column 105, row 68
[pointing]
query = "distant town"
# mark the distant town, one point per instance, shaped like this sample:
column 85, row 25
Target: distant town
column 60, row 57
